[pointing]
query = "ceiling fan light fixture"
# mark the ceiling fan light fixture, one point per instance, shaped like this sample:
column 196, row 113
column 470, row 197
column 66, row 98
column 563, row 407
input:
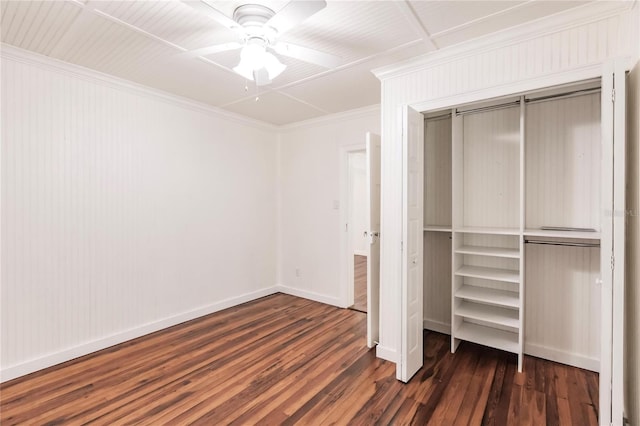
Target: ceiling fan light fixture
column 273, row 66
column 244, row 70
column 254, row 57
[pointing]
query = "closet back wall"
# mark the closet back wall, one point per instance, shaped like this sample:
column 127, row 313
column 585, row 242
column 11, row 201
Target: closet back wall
column 123, row 211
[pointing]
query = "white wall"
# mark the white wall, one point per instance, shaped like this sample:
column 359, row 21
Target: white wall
column 558, row 49
column 358, row 202
column 309, row 190
column 123, row 211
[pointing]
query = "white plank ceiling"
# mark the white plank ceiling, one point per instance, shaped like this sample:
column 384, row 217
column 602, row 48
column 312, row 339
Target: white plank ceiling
column 141, row 41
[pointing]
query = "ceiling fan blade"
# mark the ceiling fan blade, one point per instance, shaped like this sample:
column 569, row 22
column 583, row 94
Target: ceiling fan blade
column 213, row 13
column 308, row 55
column 294, row 13
column 212, row 49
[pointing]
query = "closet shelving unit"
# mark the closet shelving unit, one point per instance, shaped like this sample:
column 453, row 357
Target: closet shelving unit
column 512, row 197
column 487, row 253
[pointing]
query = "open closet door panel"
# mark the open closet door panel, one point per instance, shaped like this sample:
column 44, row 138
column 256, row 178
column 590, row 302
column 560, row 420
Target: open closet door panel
column 411, row 351
column 373, row 230
column 619, row 173
column 612, row 243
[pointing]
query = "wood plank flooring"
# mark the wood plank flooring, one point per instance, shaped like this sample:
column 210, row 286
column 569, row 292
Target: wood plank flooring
column 286, row 360
column 360, row 283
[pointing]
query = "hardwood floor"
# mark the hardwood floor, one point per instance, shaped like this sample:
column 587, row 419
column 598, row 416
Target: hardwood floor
column 360, row 283
column 286, row 360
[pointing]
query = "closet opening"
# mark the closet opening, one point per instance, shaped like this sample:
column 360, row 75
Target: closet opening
column 513, row 214
column 529, row 188
column 512, row 196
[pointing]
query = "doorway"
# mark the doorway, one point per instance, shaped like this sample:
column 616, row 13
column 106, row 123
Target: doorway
column 360, row 230
column 357, row 228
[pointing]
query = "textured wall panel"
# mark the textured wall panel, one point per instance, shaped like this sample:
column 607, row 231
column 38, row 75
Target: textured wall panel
column 562, row 300
column 437, row 172
column 311, row 231
column 491, row 192
column 121, row 209
column 562, row 155
column 437, row 278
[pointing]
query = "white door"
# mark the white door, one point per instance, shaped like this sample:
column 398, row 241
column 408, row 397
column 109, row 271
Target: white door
column 619, row 209
column 612, row 244
column 373, row 232
column 411, row 352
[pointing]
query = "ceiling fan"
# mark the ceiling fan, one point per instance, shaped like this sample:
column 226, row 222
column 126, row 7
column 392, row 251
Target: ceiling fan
column 258, row 28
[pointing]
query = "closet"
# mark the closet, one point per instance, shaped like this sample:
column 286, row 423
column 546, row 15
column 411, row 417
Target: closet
column 512, row 220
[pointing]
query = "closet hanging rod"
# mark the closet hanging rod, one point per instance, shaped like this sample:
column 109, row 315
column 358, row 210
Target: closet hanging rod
column 488, row 108
column 573, row 94
column 566, row 228
column 438, row 117
column 561, row 243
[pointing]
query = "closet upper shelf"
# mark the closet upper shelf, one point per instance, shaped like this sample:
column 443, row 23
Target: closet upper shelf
column 438, row 228
column 584, row 235
column 488, row 230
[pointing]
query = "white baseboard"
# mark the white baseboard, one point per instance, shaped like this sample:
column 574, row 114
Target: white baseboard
column 438, row 326
column 562, row 357
column 329, row 300
column 21, row 369
column 387, row 353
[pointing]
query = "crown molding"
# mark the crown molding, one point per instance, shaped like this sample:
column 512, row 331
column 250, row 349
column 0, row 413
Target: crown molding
column 333, row 118
column 584, row 73
column 591, row 12
column 77, row 71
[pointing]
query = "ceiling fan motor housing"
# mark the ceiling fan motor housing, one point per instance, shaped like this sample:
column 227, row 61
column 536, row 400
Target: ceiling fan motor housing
column 252, row 18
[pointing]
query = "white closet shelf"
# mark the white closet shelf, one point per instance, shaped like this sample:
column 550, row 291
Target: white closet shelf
column 438, row 228
column 562, row 234
column 488, row 313
column 488, row 230
column 489, row 295
column 488, row 336
column 490, row 251
column 489, row 273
